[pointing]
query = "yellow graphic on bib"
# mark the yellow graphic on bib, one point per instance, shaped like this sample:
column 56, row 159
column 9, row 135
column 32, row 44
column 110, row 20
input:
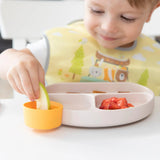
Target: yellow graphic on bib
column 118, row 72
column 109, row 74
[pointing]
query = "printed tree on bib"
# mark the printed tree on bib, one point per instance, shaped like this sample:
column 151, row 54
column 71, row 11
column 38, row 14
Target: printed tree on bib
column 77, row 62
column 144, row 78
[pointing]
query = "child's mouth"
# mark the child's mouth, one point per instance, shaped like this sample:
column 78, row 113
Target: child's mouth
column 106, row 38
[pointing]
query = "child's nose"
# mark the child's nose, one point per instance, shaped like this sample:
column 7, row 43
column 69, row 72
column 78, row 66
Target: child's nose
column 109, row 26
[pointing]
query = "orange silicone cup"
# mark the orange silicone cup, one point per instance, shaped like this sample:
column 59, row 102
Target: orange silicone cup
column 43, row 119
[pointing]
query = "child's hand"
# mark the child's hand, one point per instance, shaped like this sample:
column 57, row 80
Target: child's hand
column 23, row 72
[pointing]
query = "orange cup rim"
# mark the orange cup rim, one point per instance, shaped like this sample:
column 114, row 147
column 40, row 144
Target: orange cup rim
column 32, row 106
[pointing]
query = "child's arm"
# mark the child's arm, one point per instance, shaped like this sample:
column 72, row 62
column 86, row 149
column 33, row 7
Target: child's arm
column 23, row 71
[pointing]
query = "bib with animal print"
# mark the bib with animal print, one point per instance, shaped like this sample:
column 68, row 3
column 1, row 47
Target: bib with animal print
column 75, row 56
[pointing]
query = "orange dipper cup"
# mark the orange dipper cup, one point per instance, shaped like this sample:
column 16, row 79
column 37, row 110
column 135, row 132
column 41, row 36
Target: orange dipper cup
column 43, row 119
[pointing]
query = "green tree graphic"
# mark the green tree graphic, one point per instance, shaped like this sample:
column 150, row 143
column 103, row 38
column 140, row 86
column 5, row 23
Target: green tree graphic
column 144, row 78
column 77, row 62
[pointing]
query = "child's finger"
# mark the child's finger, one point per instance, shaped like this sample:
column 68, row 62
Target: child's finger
column 34, row 76
column 13, row 84
column 18, row 83
column 26, row 83
column 41, row 75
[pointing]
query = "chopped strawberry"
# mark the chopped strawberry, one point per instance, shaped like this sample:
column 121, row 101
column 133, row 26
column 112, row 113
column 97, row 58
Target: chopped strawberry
column 101, row 107
column 115, row 103
column 122, row 102
column 122, row 107
column 106, row 105
column 114, row 99
column 130, row 105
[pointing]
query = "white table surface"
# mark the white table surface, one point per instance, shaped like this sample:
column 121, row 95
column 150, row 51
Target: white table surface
column 137, row 141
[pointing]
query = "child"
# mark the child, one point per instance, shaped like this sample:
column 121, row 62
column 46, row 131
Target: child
column 107, row 46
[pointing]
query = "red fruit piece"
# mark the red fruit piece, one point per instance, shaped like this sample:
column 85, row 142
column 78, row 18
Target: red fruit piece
column 122, row 102
column 130, row 105
column 115, row 103
column 114, row 99
column 106, row 105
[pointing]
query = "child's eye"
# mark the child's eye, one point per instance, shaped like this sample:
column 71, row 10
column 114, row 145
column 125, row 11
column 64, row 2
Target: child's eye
column 96, row 11
column 128, row 19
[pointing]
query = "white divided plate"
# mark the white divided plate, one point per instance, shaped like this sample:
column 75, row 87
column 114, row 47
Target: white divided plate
column 81, row 104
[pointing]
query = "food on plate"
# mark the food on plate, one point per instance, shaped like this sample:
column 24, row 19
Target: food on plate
column 115, row 103
column 43, row 102
column 73, row 92
column 95, row 91
column 123, row 91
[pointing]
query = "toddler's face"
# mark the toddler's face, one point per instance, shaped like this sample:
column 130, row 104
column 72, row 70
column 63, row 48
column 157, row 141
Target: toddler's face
column 114, row 23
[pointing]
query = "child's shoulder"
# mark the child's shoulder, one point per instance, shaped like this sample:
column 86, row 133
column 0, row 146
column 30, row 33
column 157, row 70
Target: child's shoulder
column 77, row 26
column 146, row 41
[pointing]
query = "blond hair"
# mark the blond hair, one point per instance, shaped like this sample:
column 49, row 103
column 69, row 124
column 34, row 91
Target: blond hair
column 142, row 3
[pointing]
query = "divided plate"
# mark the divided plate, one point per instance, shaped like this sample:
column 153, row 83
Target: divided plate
column 81, row 102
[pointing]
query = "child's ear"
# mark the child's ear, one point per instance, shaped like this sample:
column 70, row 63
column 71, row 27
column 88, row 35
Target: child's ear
column 156, row 6
column 149, row 17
